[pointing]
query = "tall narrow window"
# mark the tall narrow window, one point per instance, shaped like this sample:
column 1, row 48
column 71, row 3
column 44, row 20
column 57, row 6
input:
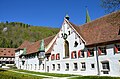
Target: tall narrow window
column 66, row 45
column 53, row 65
column 43, row 67
column 35, row 66
column 67, row 67
column 75, row 67
column 58, row 67
column 83, row 66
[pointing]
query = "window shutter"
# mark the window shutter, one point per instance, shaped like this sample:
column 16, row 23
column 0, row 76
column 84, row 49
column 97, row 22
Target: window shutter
column 88, row 53
column 56, row 56
column 116, row 49
column 79, row 53
column 99, row 51
column 72, row 54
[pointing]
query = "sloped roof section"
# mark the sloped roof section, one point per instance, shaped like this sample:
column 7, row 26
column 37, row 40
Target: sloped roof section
column 33, row 48
column 48, row 40
column 100, row 30
column 25, row 44
column 7, row 52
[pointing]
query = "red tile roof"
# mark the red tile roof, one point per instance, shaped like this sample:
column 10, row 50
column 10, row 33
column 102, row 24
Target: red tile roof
column 25, row 44
column 7, row 52
column 34, row 47
column 100, row 30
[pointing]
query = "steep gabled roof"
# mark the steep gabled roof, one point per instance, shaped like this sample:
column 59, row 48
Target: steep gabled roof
column 7, row 52
column 101, row 30
column 33, row 48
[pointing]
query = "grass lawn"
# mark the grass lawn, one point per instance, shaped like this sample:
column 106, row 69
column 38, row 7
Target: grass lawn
column 95, row 77
column 45, row 73
column 5, row 74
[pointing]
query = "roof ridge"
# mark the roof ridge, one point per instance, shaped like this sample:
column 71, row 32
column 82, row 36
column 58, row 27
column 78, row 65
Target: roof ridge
column 100, row 18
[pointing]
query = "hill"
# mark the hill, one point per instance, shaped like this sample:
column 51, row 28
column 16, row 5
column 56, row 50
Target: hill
column 14, row 33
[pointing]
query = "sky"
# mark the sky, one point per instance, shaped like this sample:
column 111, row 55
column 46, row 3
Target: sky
column 49, row 13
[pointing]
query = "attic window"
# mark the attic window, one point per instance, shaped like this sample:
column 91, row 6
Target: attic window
column 68, row 32
column 75, row 44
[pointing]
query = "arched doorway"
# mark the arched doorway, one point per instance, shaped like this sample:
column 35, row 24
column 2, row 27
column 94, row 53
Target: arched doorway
column 66, row 47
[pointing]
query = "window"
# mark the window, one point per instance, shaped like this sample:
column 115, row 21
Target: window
column 73, row 54
column 26, row 66
column 75, row 67
column 81, row 54
column 68, row 32
column 61, row 35
column 102, row 50
column 92, row 66
column 23, row 62
column 106, row 68
column 43, row 67
column 58, row 67
column 31, row 66
column 52, row 57
column 66, row 45
column 57, row 56
column 117, row 48
column 90, row 52
column 35, row 66
column 75, row 36
column 39, row 66
column 53, row 66
column 83, row 66
column 75, row 44
column 67, row 67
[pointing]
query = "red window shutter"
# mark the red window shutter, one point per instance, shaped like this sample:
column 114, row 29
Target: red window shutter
column 52, row 57
column 79, row 53
column 56, row 56
column 88, row 53
column 72, row 54
column 99, row 51
column 116, row 49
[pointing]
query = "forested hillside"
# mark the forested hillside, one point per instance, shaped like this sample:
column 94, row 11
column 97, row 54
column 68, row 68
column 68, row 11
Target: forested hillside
column 12, row 34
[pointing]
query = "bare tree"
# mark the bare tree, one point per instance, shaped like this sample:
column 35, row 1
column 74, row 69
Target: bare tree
column 110, row 5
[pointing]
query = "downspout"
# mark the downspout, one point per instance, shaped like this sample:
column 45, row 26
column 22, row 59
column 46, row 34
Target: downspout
column 98, row 68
